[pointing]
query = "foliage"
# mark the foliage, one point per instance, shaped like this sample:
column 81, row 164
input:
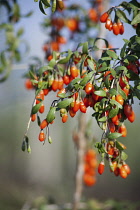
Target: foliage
column 13, row 40
column 107, row 85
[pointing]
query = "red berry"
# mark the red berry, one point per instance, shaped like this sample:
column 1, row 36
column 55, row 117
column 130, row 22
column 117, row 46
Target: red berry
column 101, row 167
column 104, row 17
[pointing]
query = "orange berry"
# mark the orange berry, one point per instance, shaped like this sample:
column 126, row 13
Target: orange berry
column 74, row 71
column 33, row 117
column 42, row 108
column 42, row 136
column 123, row 172
column 89, row 88
column 28, row 84
column 55, row 85
column 64, row 118
column 89, row 180
column 43, row 124
column 115, row 29
column 104, row 17
column 101, row 168
column 119, row 99
column 115, row 120
column 132, row 117
column 122, row 129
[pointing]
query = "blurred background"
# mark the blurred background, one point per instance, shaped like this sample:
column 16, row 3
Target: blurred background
column 48, row 172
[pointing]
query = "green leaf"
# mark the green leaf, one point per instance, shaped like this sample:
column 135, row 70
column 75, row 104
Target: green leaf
column 38, row 120
column 23, row 147
column 85, row 48
column 102, row 119
column 42, row 69
column 112, row 54
column 65, row 60
column 136, row 92
column 100, row 93
column 53, row 6
column 91, row 65
column 35, row 0
column 120, row 68
column 113, row 112
column 106, row 81
column 106, row 58
column 122, row 16
column 123, row 51
column 51, row 114
column 36, row 108
column 113, row 92
column 52, row 63
column 46, row 3
column 86, row 79
column 41, row 7
column 31, row 74
column 20, row 32
column 124, row 156
column 102, row 69
column 131, row 75
column 136, row 19
column 113, row 72
column 137, row 38
column 100, row 147
column 114, row 135
column 64, row 103
column 113, row 102
column 122, row 93
column 28, row 14
column 119, row 145
column 3, row 59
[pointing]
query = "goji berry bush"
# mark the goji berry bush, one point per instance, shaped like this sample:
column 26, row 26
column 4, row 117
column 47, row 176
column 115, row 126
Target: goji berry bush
column 107, row 85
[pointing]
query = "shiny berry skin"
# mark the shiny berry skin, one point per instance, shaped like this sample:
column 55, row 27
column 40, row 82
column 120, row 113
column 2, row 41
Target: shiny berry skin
column 89, row 88
column 119, row 99
column 43, row 124
column 122, row 129
column 74, row 71
column 42, row 108
column 127, row 168
column 101, row 168
column 132, row 117
column 123, row 172
column 127, row 110
column 33, row 117
column 66, row 79
column 42, row 136
column 64, row 118
column 104, row 17
column 115, row 29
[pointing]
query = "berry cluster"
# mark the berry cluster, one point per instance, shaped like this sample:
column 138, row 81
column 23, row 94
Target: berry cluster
column 117, row 26
column 90, row 164
column 69, row 20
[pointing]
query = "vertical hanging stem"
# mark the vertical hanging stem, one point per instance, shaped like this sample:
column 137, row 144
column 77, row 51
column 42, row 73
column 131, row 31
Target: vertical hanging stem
column 80, row 141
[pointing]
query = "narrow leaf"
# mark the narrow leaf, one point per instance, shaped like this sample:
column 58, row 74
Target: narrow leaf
column 85, row 48
column 114, row 135
column 64, row 103
column 36, row 108
column 51, row 114
column 136, row 19
column 100, row 93
column 41, row 7
column 86, row 79
column 122, row 16
column 113, row 112
column 112, row 54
